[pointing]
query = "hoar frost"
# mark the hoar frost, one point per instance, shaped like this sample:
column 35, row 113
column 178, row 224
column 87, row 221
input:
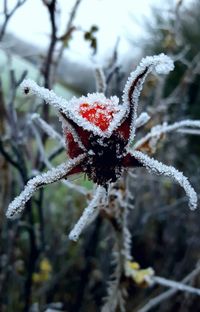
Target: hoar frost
column 98, row 133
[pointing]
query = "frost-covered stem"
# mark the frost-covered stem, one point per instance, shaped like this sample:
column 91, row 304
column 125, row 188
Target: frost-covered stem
column 189, row 131
column 158, row 130
column 114, row 298
column 59, row 103
column 142, row 119
column 51, row 176
column 162, row 64
column 40, row 146
column 126, row 234
column 47, row 128
column 100, row 80
column 152, row 303
column 176, row 285
column 116, row 291
column 88, row 214
column 157, row 167
column 51, row 132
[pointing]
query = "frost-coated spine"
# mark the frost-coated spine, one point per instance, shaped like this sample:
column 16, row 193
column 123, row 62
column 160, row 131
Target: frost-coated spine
column 162, row 64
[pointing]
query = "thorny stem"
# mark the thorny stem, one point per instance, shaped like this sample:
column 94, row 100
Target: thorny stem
column 116, row 219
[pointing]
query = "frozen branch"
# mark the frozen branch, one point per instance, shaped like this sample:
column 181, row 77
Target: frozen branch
column 51, row 176
column 176, row 285
column 30, row 87
column 88, row 214
column 159, row 130
column 169, row 293
column 100, row 80
column 142, row 120
column 157, row 167
column 189, row 131
column 47, row 128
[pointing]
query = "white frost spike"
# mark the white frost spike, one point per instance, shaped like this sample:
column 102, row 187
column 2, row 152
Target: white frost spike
column 168, row 171
column 162, row 64
column 30, row 87
column 142, row 119
column 158, row 130
column 88, row 214
column 51, row 176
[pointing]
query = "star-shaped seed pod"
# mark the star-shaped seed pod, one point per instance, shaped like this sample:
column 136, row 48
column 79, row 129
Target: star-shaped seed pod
column 98, row 133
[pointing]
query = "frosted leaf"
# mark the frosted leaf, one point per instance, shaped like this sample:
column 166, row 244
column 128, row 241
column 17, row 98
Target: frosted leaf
column 168, row 171
column 162, row 64
column 158, row 130
column 88, row 214
column 142, row 119
column 51, row 176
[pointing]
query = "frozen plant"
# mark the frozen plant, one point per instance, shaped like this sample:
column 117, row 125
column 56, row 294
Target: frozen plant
column 99, row 133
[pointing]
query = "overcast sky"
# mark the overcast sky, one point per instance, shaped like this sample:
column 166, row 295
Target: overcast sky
column 115, row 18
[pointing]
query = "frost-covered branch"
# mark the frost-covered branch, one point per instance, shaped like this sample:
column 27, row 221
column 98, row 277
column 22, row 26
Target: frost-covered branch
column 88, row 214
column 169, row 293
column 47, row 128
column 176, row 285
column 100, row 80
column 159, row 130
column 55, row 135
column 30, row 87
column 51, row 176
column 157, row 167
column 189, row 131
column 142, row 119
column 115, row 295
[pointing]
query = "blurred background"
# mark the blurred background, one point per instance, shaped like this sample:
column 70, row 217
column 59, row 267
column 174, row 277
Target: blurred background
column 58, row 44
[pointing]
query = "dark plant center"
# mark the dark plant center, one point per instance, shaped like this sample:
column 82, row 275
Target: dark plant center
column 104, row 161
